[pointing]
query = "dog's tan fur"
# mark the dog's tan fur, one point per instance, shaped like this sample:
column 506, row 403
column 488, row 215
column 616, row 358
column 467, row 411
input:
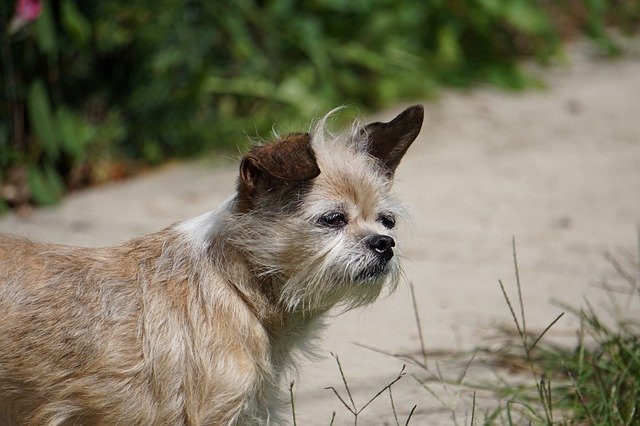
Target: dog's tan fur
column 197, row 323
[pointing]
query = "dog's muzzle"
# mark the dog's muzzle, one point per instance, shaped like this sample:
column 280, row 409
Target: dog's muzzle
column 382, row 248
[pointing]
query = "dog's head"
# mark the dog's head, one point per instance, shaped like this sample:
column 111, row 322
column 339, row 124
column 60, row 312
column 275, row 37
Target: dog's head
column 317, row 216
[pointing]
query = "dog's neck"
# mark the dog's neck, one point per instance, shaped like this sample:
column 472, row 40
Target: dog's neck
column 260, row 295
column 211, row 241
column 291, row 332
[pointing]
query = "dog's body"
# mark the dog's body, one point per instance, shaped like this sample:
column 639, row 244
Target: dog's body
column 197, row 324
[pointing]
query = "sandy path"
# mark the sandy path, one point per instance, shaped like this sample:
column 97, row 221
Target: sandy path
column 558, row 169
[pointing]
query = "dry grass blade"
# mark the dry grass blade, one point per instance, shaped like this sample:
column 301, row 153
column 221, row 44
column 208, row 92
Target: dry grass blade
column 405, row 358
column 513, row 313
column 293, row 407
column 426, row 387
column 423, row 349
column 544, row 332
column 638, row 258
column 400, row 376
column 344, row 380
column 410, row 414
column 466, row 368
column 473, row 409
column 353, row 409
column 342, row 400
column 515, row 264
column 580, row 398
column 509, row 416
column 633, row 282
column 393, row 408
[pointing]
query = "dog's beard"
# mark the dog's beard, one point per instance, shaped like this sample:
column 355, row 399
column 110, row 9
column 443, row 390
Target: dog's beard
column 313, row 271
column 338, row 274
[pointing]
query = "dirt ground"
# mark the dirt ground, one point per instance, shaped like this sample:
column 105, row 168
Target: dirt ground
column 558, row 169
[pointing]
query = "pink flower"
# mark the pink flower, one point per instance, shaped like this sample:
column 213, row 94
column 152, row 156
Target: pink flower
column 29, row 10
column 26, row 11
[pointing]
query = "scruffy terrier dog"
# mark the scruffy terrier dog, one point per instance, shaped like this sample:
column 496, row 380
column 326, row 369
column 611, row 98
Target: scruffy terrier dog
column 198, row 323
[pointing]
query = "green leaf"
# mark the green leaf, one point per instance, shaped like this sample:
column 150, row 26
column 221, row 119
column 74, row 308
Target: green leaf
column 509, row 76
column 448, row 48
column 75, row 133
column 46, row 185
column 42, row 120
column 354, row 52
column 45, row 31
column 525, row 16
column 75, row 23
column 255, row 88
column 152, row 152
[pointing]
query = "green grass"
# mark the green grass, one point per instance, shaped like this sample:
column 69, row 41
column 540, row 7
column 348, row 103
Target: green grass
column 595, row 381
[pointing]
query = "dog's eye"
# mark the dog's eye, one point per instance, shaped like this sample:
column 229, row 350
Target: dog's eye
column 387, row 220
column 333, row 219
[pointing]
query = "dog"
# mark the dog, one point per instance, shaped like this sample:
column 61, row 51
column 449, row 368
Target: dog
column 200, row 323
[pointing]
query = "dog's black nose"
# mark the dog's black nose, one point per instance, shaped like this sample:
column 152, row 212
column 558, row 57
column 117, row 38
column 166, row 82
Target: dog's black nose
column 382, row 244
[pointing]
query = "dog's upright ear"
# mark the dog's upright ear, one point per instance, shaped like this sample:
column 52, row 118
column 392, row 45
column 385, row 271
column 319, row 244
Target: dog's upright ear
column 388, row 142
column 287, row 161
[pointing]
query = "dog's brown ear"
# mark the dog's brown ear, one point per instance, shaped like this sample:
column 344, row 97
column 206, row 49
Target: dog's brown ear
column 286, row 161
column 388, row 142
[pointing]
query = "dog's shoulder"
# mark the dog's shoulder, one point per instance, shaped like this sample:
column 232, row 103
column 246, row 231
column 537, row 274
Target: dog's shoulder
column 12, row 246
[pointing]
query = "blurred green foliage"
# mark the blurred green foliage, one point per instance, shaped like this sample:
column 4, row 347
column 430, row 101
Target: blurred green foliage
column 93, row 88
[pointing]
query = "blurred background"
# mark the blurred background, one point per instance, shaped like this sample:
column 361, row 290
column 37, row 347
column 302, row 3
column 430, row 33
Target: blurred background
column 94, row 91
column 98, row 91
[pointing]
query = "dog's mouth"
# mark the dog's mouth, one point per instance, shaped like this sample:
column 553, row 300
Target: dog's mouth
column 372, row 272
